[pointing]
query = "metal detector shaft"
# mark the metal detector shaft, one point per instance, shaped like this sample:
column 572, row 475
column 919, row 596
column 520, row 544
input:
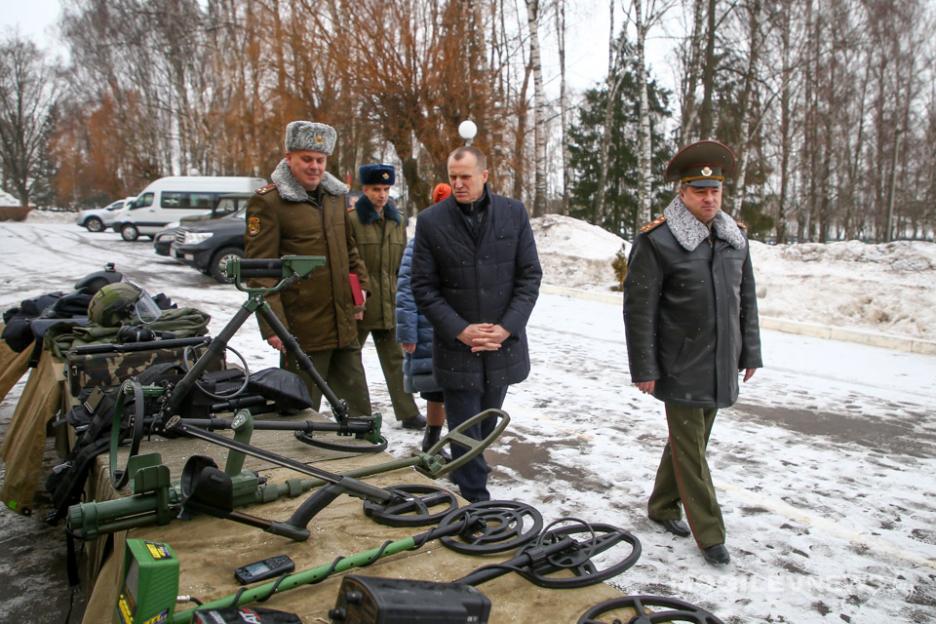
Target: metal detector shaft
column 487, row 573
column 351, row 485
column 308, row 426
column 310, row 576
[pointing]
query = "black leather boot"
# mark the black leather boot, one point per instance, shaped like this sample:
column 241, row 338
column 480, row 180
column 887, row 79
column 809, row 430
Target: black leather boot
column 432, row 435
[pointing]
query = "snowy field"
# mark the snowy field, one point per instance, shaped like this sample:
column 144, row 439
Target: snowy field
column 824, row 468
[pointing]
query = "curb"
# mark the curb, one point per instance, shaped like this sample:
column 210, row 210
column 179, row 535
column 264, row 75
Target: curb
column 815, row 330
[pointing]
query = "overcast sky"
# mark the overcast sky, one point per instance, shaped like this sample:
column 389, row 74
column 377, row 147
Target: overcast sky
column 587, row 38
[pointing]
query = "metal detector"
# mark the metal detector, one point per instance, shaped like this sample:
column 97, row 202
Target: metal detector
column 156, row 501
column 480, row 528
column 664, row 609
column 289, row 270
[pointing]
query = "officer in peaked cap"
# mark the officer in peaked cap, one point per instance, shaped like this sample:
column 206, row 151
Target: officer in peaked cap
column 690, row 316
column 381, row 238
column 303, row 213
column 702, row 164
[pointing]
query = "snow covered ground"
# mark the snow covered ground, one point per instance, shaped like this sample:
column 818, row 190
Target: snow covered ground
column 885, row 288
column 824, row 468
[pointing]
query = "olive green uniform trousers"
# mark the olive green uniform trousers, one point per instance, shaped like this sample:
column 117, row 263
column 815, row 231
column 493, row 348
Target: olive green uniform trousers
column 343, row 371
column 683, row 475
column 390, row 355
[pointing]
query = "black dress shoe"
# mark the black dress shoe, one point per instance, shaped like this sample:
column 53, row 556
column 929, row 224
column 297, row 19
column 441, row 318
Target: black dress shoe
column 416, row 422
column 676, row 527
column 716, row 555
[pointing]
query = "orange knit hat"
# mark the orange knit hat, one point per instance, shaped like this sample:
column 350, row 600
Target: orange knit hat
column 440, row 192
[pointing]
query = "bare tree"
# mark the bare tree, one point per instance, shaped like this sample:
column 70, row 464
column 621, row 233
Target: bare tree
column 646, row 14
column 750, row 77
column 614, row 80
column 539, row 110
column 709, row 62
column 28, row 93
column 563, row 103
column 691, row 66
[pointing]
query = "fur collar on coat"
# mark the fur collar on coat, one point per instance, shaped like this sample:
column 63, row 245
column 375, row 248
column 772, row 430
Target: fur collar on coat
column 367, row 214
column 689, row 231
column 290, row 189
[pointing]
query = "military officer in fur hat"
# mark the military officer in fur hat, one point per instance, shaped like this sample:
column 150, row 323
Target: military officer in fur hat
column 381, row 238
column 303, row 213
column 690, row 315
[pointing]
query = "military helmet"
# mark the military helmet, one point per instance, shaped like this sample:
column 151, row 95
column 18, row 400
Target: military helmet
column 116, row 304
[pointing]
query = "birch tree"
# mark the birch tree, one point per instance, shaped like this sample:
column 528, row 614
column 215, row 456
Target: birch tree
column 539, row 110
column 646, row 14
column 563, row 103
column 750, row 78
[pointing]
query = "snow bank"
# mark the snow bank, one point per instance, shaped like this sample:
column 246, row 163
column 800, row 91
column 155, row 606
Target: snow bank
column 576, row 254
column 884, row 288
column 51, row 216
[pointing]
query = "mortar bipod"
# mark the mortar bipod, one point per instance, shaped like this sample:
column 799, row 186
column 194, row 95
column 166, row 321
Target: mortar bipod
column 288, row 270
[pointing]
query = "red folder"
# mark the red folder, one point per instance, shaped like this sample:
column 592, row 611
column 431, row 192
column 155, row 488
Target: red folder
column 356, row 293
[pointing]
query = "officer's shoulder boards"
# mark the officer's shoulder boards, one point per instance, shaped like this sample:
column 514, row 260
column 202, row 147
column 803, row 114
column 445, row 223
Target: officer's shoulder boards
column 263, row 190
column 653, row 224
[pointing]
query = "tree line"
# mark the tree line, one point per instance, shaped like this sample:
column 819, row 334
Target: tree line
column 830, row 105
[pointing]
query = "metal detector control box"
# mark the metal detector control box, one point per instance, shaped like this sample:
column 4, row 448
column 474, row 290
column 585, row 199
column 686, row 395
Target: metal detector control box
column 150, row 583
column 372, row 600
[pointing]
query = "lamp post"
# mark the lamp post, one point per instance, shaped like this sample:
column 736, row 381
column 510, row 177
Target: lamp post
column 467, row 130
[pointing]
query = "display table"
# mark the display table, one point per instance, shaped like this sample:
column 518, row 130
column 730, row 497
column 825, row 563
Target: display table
column 210, row 548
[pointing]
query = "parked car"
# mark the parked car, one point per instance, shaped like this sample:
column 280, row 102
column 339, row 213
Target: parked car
column 225, row 205
column 99, row 219
column 207, row 246
column 170, row 199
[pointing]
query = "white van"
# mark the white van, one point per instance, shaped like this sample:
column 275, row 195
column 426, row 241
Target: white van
column 170, row 199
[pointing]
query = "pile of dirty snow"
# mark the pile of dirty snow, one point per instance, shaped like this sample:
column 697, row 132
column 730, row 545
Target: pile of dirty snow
column 51, row 216
column 884, row 288
column 576, row 254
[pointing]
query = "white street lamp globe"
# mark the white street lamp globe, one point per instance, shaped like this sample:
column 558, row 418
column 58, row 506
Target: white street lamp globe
column 467, row 129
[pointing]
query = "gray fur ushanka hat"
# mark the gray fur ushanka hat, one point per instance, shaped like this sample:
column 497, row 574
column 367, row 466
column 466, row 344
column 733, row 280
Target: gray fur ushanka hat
column 311, row 136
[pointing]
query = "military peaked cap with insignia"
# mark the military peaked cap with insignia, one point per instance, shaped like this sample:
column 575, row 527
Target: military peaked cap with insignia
column 377, row 174
column 311, row 136
column 701, row 164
